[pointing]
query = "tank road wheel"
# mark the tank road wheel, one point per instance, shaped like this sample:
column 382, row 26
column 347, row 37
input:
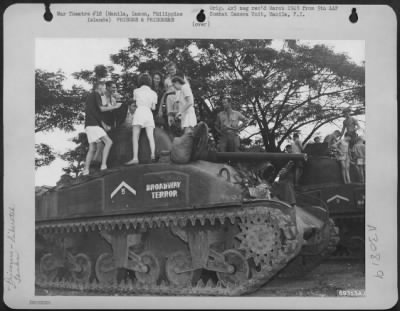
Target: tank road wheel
column 239, row 262
column 81, row 268
column 48, row 267
column 105, row 269
column 153, row 269
column 179, row 261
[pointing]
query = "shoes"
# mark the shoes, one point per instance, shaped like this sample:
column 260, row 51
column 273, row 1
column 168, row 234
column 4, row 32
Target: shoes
column 85, row 172
column 103, row 167
column 131, row 162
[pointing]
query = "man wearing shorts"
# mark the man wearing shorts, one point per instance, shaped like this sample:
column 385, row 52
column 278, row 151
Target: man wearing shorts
column 94, row 126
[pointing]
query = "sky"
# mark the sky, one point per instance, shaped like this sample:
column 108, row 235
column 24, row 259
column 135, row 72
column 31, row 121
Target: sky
column 74, row 54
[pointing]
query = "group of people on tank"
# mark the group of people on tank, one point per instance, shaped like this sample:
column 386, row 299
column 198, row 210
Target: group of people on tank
column 168, row 102
column 345, row 145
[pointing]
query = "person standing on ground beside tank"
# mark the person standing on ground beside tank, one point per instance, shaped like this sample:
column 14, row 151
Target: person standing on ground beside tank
column 350, row 126
column 343, row 157
column 94, row 126
column 227, row 125
column 145, row 100
column 359, row 157
column 185, row 99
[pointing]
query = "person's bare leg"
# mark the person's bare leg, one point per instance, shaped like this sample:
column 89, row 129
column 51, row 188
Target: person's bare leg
column 362, row 168
column 89, row 157
column 99, row 149
column 150, row 136
column 343, row 167
column 135, row 143
column 106, row 150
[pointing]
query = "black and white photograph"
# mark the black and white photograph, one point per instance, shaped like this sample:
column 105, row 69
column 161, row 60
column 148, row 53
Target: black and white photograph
column 199, row 167
column 160, row 155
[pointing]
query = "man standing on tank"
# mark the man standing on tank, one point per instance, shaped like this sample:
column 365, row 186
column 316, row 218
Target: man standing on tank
column 350, row 125
column 227, row 125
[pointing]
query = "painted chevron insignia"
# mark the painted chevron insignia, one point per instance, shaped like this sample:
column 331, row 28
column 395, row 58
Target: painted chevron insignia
column 122, row 186
column 337, row 198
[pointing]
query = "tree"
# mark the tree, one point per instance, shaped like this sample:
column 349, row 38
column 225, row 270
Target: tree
column 281, row 90
column 55, row 107
column 45, row 155
column 76, row 157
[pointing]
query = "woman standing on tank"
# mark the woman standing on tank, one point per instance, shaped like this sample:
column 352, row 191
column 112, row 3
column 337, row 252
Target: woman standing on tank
column 145, row 100
column 185, row 100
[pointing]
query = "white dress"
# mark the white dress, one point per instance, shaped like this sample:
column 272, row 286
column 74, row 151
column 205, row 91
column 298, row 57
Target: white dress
column 145, row 99
column 189, row 116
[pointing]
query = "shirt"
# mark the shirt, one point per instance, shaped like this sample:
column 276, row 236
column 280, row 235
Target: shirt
column 232, row 120
column 93, row 115
column 185, row 91
column 145, row 97
column 296, row 147
column 359, row 151
column 350, row 124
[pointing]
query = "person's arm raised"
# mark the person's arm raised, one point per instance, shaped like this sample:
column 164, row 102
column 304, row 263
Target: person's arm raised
column 106, row 108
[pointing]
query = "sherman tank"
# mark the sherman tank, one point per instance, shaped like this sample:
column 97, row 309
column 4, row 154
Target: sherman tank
column 198, row 228
column 322, row 180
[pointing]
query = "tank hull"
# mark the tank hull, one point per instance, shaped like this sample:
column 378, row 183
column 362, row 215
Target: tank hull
column 169, row 229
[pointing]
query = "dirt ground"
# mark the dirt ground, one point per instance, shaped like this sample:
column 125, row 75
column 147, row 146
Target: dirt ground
column 326, row 280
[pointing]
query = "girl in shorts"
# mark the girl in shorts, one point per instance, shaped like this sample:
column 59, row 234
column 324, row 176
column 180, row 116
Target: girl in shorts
column 185, row 100
column 145, row 99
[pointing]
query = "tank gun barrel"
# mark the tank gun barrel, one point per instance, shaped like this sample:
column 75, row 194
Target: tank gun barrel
column 255, row 156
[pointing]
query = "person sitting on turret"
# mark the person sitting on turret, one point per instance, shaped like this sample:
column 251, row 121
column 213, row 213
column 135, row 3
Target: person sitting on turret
column 185, row 99
column 227, row 125
column 94, row 126
column 145, row 99
column 343, row 157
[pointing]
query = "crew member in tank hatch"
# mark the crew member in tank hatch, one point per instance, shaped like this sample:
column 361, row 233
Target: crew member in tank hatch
column 228, row 124
column 185, row 100
column 146, row 100
column 94, row 126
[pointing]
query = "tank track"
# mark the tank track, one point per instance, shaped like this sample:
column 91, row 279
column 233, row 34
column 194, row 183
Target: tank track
column 351, row 246
column 305, row 263
column 238, row 215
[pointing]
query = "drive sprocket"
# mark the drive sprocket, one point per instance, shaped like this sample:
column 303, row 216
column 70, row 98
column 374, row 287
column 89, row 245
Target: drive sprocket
column 260, row 238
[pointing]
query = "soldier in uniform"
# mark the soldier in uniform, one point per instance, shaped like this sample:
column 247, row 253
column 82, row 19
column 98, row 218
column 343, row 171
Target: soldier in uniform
column 227, row 125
